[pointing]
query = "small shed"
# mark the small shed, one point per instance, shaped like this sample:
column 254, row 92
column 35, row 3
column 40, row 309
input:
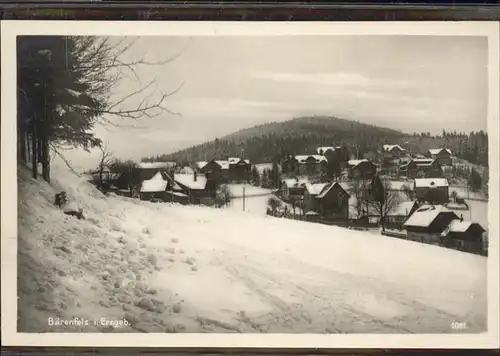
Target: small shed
column 464, row 236
column 428, row 222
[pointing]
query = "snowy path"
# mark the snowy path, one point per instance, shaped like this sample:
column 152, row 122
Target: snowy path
column 169, row 268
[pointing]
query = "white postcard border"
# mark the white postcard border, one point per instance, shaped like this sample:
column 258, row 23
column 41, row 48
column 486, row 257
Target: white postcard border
column 10, row 29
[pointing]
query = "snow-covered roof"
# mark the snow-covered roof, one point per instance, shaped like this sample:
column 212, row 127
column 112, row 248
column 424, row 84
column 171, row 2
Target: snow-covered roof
column 235, row 160
column 303, row 158
column 326, row 189
column 435, row 151
column 201, row 164
column 155, row 184
column 431, row 182
column 156, row 165
column 425, row 215
column 223, row 164
column 344, row 186
column 460, row 226
column 188, row 180
column 315, row 189
column 324, row 149
column 355, row 162
column 389, row 148
column 177, row 194
column 311, row 213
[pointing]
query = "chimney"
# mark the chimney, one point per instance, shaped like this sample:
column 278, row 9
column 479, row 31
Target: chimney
column 461, row 217
column 195, row 176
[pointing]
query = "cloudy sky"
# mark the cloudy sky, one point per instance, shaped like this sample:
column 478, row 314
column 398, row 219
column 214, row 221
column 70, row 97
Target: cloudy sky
column 410, row 83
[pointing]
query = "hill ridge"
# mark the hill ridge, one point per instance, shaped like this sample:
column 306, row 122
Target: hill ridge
column 269, row 141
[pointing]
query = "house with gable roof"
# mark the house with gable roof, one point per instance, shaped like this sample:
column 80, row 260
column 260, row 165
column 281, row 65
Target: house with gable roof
column 465, row 236
column 155, row 188
column 401, row 212
column 442, row 155
column 421, row 168
column 393, row 151
column 311, row 164
column 239, row 169
column 199, row 188
column 311, row 191
column 428, row 222
column 332, row 202
column 293, row 189
column 361, row 169
column 223, row 171
column 432, row 190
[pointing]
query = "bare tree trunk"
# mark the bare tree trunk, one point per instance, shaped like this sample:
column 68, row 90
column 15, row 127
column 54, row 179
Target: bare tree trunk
column 44, row 143
column 28, row 147
column 34, row 152
column 45, row 157
column 21, row 137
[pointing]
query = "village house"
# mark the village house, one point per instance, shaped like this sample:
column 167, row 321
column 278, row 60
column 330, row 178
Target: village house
column 332, row 203
column 442, row 155
column 311, row 191
column 154, row 188
column 361, row 169
column 393, row 151
column 216, row 170
column 292, row 189
column 465, row 236
column 421, row 167
column 397, row 216
column 427, row 224
column 432, row 190
column 240, row 170
column 232, row 170
column 311, row 164
column 197, row 187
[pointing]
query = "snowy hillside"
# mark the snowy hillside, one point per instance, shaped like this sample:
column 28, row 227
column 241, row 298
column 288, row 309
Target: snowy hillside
column 172, row 268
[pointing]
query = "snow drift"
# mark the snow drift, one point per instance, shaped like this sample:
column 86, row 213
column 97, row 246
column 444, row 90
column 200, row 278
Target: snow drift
column 172, row 268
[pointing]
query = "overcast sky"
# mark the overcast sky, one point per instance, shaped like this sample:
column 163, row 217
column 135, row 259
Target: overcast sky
column 409, row 83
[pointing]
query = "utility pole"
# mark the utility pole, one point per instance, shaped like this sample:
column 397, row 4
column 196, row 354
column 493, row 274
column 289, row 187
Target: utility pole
column 243, row 198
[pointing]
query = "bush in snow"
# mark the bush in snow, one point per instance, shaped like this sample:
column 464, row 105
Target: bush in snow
column 274, row 203
column 78, row 213
column 60, row 199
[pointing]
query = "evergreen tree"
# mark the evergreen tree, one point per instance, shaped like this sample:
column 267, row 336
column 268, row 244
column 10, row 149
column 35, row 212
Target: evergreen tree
column 275, row 175
column 474, row 180
column 264, row 180
column 255, row 176
column 64, row 88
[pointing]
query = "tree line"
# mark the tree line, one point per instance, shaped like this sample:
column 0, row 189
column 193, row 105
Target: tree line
column 271, row 142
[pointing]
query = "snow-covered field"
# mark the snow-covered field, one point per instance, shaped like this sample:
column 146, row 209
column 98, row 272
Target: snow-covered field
column 172, row 268
column 255, row 201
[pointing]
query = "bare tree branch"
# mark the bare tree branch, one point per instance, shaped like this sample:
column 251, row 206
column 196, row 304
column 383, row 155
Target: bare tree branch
column 54, row 149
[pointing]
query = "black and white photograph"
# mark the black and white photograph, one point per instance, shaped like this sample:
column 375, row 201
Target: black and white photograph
column 221, row 182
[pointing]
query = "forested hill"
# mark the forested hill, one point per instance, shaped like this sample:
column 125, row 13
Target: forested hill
column 264, row 142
